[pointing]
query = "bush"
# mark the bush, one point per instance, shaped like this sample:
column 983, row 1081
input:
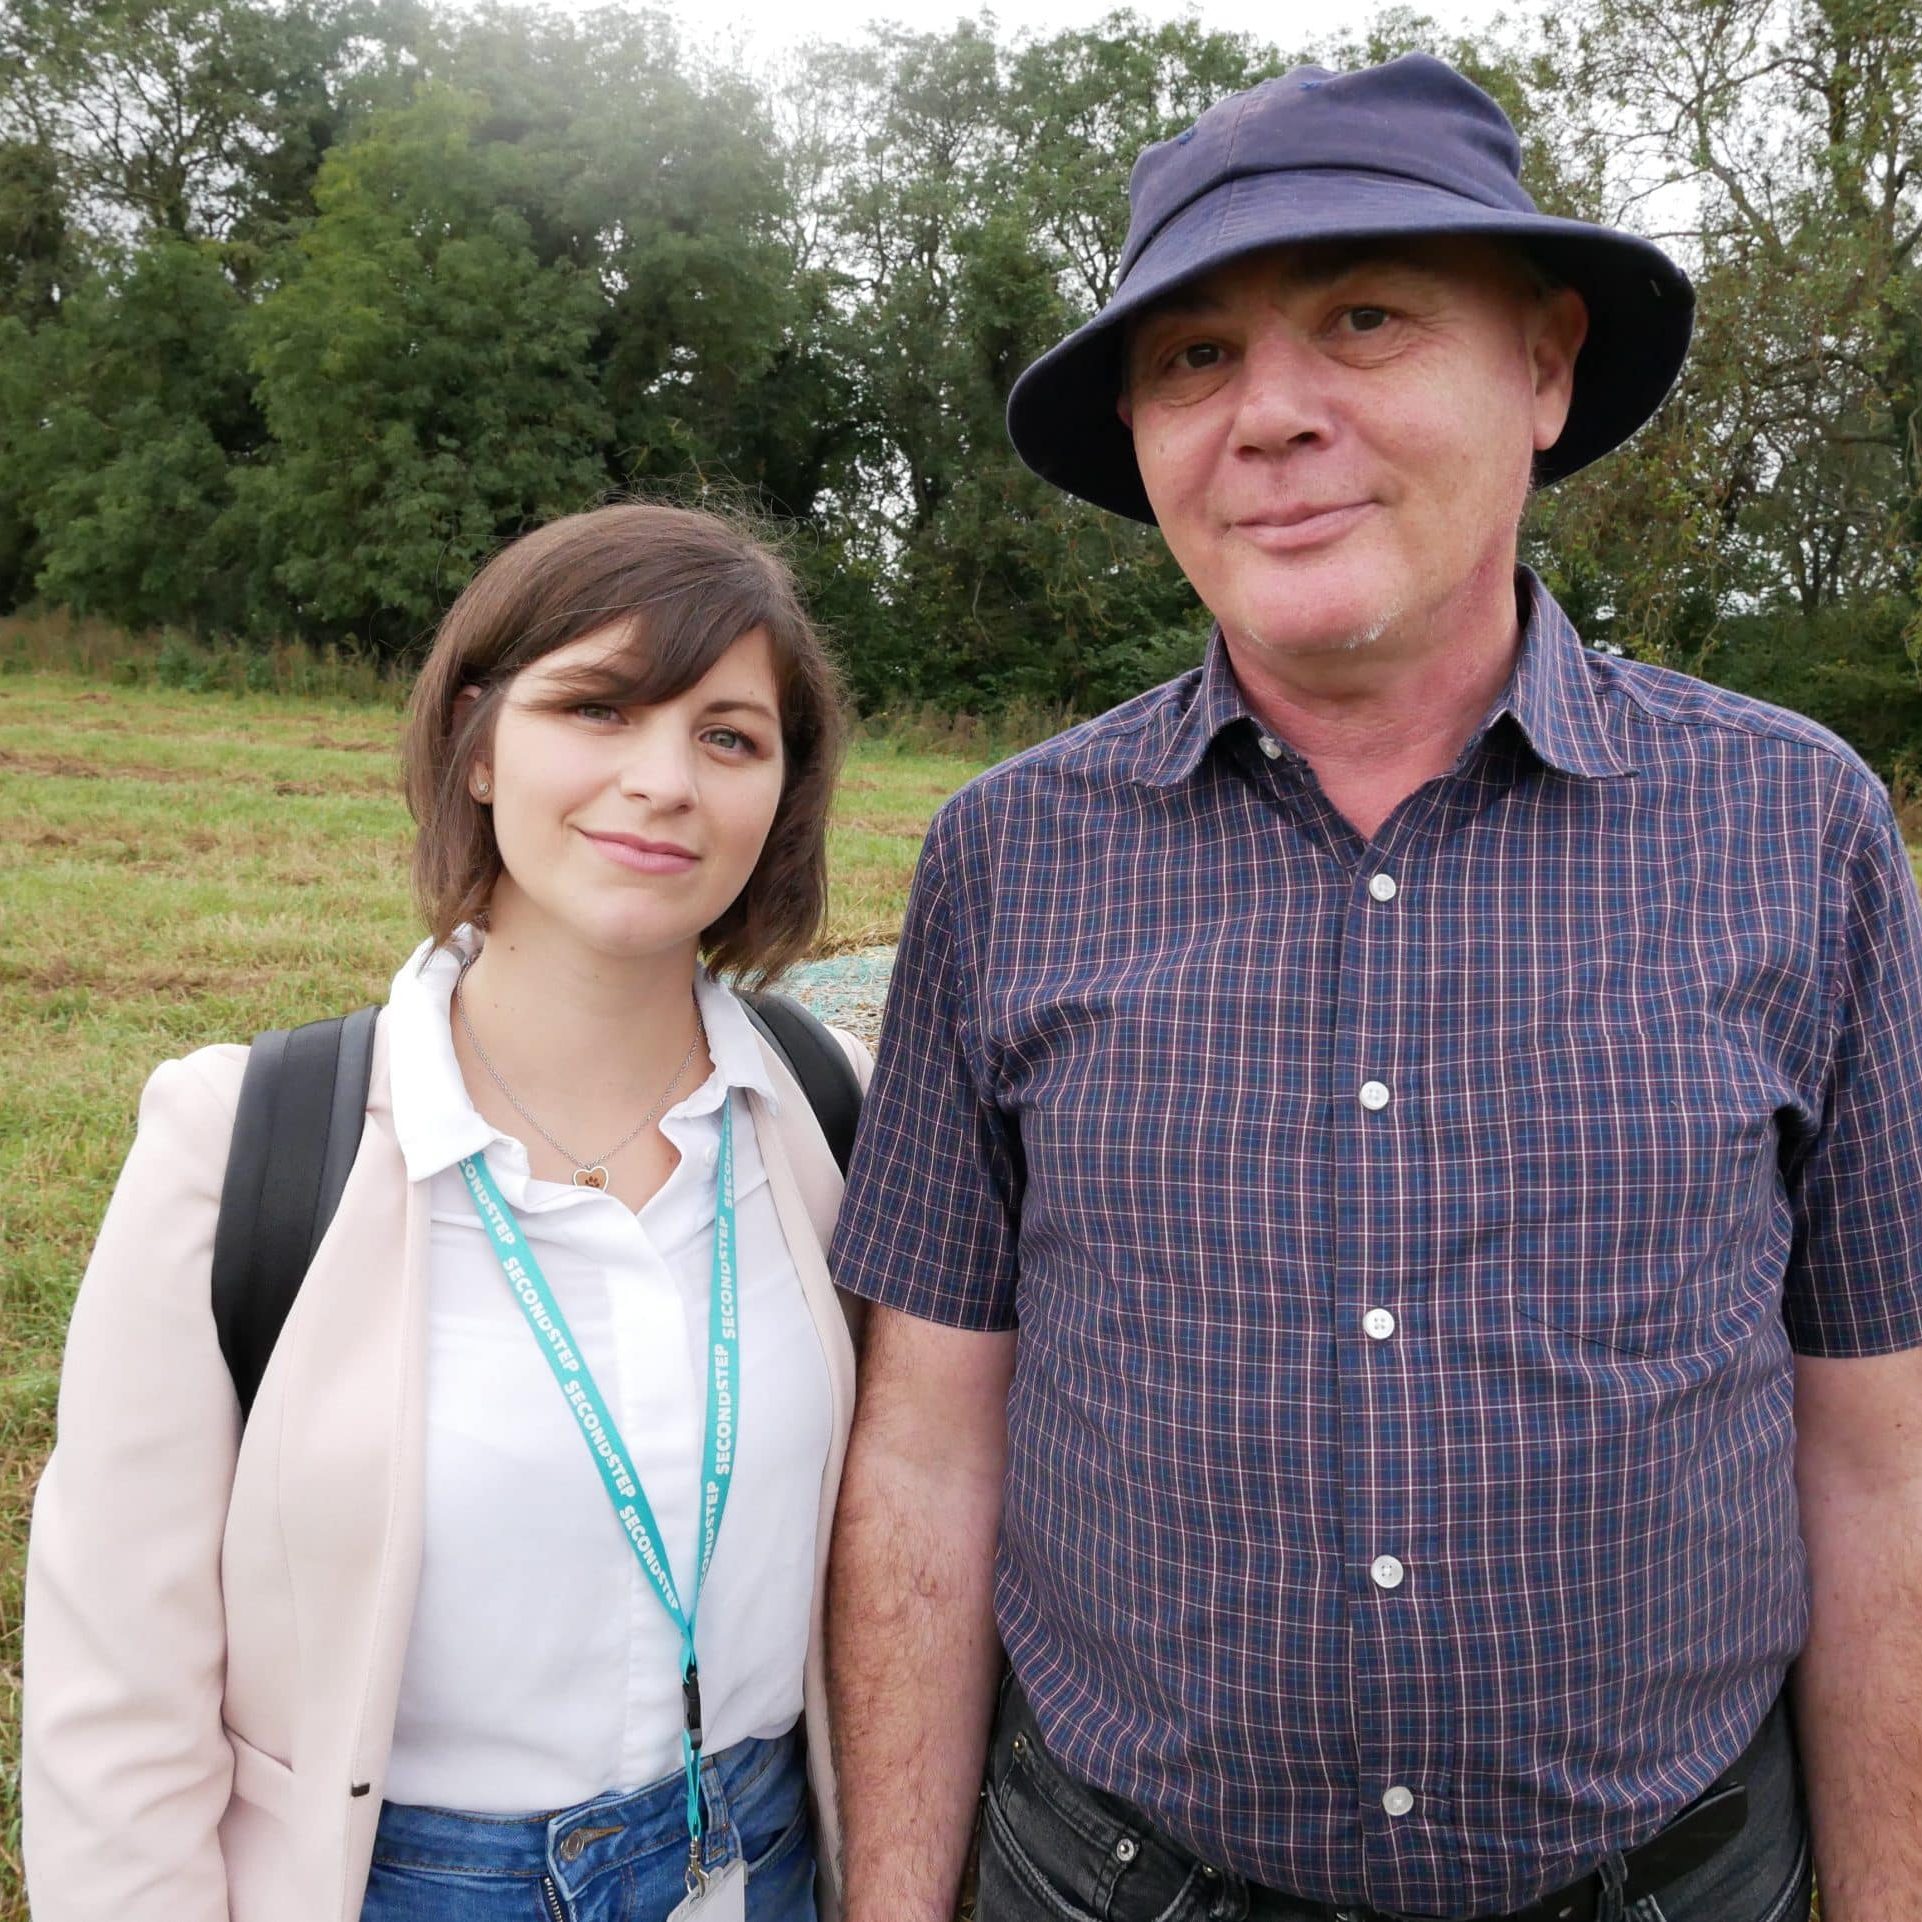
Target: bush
column 175, row 659
column 1848, row 668
column 179, row 663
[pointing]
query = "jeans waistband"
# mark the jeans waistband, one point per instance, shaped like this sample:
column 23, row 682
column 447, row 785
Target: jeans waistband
column 1161, row 1869
column 599, row 1832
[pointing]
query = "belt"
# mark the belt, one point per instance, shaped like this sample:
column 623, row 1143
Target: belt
column 1692, row 1838
column 1685, row 1843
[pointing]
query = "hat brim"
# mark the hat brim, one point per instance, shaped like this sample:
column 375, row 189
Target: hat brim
column 1641, row 311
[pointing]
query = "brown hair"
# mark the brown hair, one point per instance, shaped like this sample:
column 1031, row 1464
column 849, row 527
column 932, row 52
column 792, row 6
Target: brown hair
column 687, row 584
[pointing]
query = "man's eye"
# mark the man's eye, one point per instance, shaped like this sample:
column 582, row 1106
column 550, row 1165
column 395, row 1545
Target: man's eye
column 1197, row 356
column 1366, row 320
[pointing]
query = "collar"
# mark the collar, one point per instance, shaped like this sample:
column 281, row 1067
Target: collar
column 437, row 1123
column 1551, row 697
column 1216, row 702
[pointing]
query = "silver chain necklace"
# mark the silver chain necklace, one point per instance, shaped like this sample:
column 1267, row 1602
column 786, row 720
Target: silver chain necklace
column 591, row 1172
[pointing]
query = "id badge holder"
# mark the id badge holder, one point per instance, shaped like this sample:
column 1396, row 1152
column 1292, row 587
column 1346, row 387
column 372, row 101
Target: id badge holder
column 720, row 1897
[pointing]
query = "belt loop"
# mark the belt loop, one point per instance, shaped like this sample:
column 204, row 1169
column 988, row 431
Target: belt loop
column 1612, row 1905
column 1231, row 1898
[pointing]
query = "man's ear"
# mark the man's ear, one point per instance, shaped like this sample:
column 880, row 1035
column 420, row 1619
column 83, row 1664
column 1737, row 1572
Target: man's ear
column 1555, row 334
column 1125, row 407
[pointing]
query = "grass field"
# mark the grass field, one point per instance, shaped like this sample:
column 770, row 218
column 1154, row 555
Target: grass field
column 181, row 868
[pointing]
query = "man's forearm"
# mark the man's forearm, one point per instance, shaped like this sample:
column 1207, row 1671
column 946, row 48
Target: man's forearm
column 1858, row 1697
column 912, row 1659
column 1858, row 1683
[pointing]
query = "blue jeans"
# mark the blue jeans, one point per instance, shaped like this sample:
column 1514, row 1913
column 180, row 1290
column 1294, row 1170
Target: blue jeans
column 618, row 1858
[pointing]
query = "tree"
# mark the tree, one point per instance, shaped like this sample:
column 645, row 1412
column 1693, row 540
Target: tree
column 667, row 185
column 974, row 201
column 307, row 304
column 196, row 118
column 1775, row 141
column 39, row 252
column 425, row 379
column 119, row 429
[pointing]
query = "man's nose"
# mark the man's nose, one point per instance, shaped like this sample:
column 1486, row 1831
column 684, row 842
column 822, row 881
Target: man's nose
column 1283, row 398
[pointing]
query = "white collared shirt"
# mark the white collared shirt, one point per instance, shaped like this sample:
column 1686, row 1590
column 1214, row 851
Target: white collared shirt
column 542, row 1669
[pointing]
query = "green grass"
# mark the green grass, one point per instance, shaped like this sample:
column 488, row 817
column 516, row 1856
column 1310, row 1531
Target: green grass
column 178, row 868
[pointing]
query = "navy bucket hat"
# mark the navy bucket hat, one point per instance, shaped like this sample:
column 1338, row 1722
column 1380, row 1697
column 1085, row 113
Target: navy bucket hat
column 1409, row 148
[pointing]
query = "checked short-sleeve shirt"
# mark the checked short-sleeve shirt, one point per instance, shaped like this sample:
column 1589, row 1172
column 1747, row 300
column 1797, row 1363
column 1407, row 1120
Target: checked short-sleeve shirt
column 1409, row 1243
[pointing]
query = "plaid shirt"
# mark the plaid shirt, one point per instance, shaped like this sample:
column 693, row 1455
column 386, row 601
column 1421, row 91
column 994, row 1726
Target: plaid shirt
column 1409, row 1244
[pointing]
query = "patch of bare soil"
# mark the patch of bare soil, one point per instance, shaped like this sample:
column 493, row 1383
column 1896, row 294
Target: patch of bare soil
column 65, row 767
column 351, row 747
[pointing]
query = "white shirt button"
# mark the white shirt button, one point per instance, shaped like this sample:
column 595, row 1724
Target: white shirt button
column 1382, row 887
column 1387, row 1572
column 1398, row 1800
column 1270, row 747
column 710, row 1157
column 1374, row 1096
column 1378, row 1324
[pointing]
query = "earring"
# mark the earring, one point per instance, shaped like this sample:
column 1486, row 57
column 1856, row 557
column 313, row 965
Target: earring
column 482, row 789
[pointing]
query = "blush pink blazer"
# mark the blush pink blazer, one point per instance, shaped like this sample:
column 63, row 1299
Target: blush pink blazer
column 216, row 1621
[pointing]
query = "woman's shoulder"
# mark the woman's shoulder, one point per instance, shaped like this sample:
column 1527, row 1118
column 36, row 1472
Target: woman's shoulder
column 860, row 1055
column 192, row 1087
column 186, row 1119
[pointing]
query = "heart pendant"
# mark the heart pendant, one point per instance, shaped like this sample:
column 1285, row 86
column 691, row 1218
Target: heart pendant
column 590, row 1177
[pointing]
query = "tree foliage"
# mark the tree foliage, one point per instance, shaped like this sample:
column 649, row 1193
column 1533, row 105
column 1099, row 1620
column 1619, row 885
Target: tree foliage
column 1773, row 144
column 424, row 378
column 306, row 305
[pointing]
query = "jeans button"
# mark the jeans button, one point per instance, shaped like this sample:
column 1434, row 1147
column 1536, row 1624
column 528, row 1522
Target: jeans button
column 1125, row 1850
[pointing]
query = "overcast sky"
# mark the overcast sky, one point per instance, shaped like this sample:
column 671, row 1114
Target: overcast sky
column 765, row 27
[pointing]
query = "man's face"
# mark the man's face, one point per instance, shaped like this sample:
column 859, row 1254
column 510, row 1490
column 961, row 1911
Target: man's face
column 1337, row 441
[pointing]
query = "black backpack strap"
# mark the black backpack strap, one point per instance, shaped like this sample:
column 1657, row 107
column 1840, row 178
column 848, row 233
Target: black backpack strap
column 303, row 1104
column 826, row 1075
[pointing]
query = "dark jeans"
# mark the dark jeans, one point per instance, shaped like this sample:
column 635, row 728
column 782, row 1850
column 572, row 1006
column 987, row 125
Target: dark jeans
column 1056, row 1850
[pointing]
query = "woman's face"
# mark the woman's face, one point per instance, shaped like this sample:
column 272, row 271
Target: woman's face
column 632, row 829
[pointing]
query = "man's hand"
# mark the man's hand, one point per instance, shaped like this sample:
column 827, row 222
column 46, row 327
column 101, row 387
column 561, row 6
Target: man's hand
column 912, row 1651
column 1858, row 1684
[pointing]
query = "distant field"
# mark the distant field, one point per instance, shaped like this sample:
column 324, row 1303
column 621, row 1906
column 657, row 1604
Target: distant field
column 180, row 868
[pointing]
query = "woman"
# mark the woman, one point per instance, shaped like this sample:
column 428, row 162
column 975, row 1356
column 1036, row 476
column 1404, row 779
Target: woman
column 506, row 1600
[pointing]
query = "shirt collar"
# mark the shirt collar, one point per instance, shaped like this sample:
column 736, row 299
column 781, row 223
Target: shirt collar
column 1551, row 698
column 437, row 1123
column 1216, row 702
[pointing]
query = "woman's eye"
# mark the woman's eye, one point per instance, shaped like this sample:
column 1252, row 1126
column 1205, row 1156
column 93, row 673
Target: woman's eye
column 596, row 711
column 730, row 740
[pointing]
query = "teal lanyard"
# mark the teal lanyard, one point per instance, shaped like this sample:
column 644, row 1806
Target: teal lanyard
column 603, row 1436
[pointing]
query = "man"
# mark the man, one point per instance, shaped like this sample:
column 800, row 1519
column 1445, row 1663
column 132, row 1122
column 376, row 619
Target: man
column 1394, row 1156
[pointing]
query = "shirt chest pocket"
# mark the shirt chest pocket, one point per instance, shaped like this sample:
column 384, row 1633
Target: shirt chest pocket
column 1616, row 1179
